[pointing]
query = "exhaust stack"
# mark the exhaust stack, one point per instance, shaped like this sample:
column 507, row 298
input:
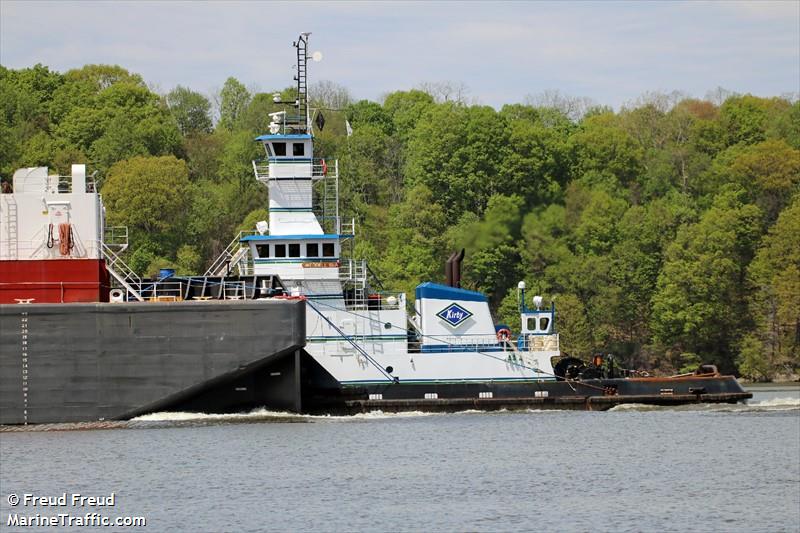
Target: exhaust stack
column 452, row 269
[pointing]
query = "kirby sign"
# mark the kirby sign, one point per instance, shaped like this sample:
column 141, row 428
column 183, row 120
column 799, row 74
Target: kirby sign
column 454, row 314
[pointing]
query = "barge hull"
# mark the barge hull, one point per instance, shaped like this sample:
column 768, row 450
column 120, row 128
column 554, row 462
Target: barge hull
column 104, row 361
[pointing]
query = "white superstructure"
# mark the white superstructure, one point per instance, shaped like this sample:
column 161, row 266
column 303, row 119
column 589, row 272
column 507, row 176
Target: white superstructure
column 362, row 336
column 48, row 216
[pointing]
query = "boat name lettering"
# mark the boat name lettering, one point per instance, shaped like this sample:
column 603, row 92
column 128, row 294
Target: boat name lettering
column 328, row 264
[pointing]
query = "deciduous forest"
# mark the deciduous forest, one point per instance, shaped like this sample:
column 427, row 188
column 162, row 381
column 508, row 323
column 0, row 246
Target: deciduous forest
column 667, row 232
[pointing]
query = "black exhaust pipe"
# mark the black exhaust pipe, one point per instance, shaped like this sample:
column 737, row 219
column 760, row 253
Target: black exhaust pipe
column 457, row 268
column 448, row 270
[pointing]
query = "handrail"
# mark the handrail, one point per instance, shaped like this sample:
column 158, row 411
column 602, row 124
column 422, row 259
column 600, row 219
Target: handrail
column 128, row 277
column 234, row 250
column 328, row 170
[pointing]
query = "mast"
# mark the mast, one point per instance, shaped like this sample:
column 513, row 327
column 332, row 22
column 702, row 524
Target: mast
column 301, row 104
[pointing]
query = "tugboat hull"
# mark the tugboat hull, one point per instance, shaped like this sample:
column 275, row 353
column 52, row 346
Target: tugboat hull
column 590, row 395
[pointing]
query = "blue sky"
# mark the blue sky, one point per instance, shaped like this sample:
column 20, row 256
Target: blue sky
column 611, row 52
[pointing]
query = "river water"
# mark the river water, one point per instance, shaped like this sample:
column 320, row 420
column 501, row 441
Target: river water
column 696, row 468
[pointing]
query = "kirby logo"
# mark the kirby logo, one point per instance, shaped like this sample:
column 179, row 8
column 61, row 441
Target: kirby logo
column 454, row 314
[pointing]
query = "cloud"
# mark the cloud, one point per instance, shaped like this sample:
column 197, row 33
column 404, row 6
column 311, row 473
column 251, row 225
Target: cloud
column 610, row 51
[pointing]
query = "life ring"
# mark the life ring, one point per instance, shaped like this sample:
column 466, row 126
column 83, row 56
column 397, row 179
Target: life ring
column 503, row 334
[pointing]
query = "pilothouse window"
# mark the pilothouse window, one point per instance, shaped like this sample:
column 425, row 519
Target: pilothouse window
column 531, row 324
column 294, row 250
column 543, row 323
column 263, row 250
column 280, row 149
column 312, row 250
column 298, row 149
column 280, row 250
column 328, row 250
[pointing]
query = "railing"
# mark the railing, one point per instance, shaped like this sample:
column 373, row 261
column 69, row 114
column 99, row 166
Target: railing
column 261, row 170
column 539, row 342
column 120, row 271
column 233, row 290
column 116, row 237
column 320, row 169
column 473, row 341
column 57, row 184
column 235, row 255
column 347, row 228
column 353, row 270
column 287, row 124
column 159, row 291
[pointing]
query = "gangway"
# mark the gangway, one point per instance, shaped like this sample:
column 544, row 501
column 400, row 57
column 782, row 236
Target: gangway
column 121, row 272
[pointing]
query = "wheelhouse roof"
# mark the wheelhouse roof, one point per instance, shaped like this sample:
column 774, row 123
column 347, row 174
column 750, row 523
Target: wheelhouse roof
column 279, row 137
column 325, row 236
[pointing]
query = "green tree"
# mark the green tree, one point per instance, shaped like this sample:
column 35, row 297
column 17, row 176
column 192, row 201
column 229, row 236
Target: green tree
column 191, row 110
column 537, row 160
column 574, row 327
column 370, row 169
column 774, row 344
column 747, row 119
column 605, row 153
column 406, row 108
column 457, row 153
column 770, row 171
column 493, row 245
column 233, row 101
column 697, row 306
column 368, row 113
column 150, row 195
column 411, row 248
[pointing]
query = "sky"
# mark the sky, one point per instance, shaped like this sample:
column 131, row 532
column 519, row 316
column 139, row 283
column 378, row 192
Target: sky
column 611, row 52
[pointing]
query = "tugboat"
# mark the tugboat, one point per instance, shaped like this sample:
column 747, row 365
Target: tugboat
column 364, row 349
column 286, row 318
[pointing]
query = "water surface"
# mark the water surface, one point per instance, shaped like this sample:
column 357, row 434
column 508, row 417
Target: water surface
column 635, row 468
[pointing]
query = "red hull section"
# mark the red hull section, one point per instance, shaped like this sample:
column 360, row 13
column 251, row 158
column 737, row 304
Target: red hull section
column 54, row 281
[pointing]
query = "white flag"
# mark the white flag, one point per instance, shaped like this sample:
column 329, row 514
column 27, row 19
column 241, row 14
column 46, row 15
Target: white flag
column 348, row 127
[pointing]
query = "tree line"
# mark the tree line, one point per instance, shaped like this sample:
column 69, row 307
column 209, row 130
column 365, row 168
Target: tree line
column 667, row 233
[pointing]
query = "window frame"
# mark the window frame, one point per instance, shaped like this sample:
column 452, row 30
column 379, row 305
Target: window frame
column 260, row 249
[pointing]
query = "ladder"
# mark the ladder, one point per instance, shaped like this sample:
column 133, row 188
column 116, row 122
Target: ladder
column 353, row 272
column 302, row 81
column 121, row 272
column 326, row 203
column 12, row 227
